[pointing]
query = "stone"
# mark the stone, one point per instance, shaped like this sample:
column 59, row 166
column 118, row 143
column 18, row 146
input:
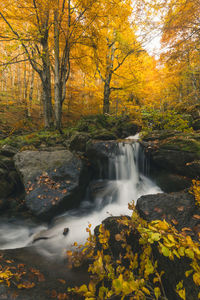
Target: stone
column 178, row 153
column 78, row 141
column 196, row 124
column 177, row 208
column 7, row 150
column 98, row 154
column 54, row 181
column 103, row 192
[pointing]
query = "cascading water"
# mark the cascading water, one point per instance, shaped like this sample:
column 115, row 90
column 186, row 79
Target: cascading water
column 125, row 183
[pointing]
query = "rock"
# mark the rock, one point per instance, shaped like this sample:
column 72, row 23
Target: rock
column 103, row 192
column 54, row 181
column 10, row 183
column 125, row 129
column 8, row 151
column 196, row 124
column 169, row 182
column 104, row 134
column 178, row 153
column 177, row 208
column 65, row 231
column 78, row 141
column 114, row 227
column 98, row 154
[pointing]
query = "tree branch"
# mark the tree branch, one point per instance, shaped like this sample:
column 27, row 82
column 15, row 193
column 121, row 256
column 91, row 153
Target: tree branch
column 22, row 43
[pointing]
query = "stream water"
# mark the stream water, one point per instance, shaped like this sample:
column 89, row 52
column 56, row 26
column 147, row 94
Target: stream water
column 126, row 182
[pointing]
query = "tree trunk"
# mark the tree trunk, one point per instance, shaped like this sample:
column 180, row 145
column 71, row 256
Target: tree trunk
column 106, row 98
column 31, row 93
column 46, row 83
column 57, row 79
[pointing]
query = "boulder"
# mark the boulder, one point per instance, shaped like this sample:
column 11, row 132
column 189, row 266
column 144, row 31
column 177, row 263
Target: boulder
column 180, row 210
column 177, row 208
column 78, row 141
column 7, row 150
column 125, row 129
column 169, row 182
column 103, row 192
column 54, row 180
column 98, row 154
column 9, row 180
column 178, row 153
column 196, row 124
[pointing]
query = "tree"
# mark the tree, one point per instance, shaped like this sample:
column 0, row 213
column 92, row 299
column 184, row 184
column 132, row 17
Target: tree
column 112, row 40
column 48, row 50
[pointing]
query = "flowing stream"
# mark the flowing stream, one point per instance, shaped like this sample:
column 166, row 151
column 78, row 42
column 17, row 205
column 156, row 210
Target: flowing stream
column 126, row 182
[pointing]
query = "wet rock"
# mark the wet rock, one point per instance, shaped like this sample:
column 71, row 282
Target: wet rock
column 125, row 129
column 78, row 141
column 7, row 150
column 65, row 231
column 103, row 191
column 53, row 180
column 9, row 180
column 177, row 208
column 196, row 124
column 113, row 225
column 98, row 154
column 169, row 182
column 178, row 153
column 103, row 134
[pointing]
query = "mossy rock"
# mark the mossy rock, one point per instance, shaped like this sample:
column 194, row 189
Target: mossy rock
column 104, row 134
column 78, row 141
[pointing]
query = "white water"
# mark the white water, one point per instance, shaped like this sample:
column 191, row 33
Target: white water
column 124, row 184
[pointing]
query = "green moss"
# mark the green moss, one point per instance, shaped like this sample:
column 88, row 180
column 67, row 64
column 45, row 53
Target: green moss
column 184, row 144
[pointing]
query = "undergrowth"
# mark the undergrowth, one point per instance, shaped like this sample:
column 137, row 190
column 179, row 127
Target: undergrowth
column 135, row 275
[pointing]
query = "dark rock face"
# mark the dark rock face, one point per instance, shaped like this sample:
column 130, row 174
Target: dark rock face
column 176, row 153
column 126, row 129
column 78, row 141
column 113, row 225
column 177, row 208
column 53, row 180
column 169, row 182
column 196, row 124
column 9, row 180
column 98, row 154
column 102, row 190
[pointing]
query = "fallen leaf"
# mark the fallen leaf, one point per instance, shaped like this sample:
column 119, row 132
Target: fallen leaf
column 53, row 294
column 196, row 217
column 26, row 285
column 157, row 209
column 118, row 237
column 175, row 222
column 62, row 281
column 186, row 229
column 180, row 208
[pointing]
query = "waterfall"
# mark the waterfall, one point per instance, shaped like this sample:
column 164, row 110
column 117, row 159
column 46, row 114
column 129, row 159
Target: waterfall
column 126, row 182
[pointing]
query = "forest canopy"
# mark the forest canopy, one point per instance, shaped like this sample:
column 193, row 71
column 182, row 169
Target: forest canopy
column 61, row 60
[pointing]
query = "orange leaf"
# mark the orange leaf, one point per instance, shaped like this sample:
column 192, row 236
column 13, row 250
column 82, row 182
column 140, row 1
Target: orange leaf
column 175, row 222
column 196, row 217
column 62, row 281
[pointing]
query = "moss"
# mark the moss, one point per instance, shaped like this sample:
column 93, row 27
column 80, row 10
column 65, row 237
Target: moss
column 184, row 143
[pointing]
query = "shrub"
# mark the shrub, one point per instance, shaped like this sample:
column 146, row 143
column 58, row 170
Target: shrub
column 168, row 120
column 135, row 275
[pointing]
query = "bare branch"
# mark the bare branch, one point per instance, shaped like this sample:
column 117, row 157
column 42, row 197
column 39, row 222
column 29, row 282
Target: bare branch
column 32, row 62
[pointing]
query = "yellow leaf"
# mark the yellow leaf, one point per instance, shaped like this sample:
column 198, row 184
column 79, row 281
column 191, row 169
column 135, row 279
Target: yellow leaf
column 196, row 278
column 157, row 292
